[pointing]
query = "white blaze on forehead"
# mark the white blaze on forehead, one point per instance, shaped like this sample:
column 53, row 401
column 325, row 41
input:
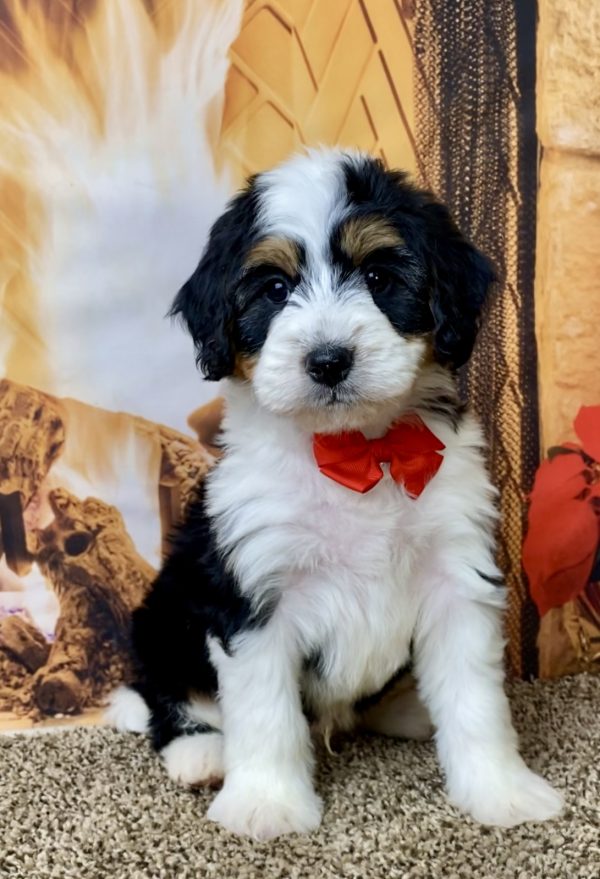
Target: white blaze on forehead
column 303, row 199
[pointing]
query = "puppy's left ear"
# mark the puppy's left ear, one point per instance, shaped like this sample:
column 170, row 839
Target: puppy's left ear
column 460, row 278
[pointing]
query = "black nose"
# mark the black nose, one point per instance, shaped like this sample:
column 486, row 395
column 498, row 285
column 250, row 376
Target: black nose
column 329, row 365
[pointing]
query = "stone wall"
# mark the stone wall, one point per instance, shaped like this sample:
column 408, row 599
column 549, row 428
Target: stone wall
column 568, row 236
column 568, row 265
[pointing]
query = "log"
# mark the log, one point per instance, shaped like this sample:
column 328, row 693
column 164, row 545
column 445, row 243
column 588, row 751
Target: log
column 206, row 422
column 15, row 684
column 99, row 579
column 22, row 641
column 184, row 464
column 32, row 436
column 23, row 649
column 13, row 536
column 184, row 461
column 85, row 553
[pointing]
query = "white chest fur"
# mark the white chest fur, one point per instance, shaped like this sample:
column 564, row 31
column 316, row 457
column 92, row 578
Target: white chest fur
column 349, row 571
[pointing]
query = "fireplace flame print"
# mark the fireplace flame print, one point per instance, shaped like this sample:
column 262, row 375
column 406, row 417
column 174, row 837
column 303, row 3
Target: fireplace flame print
column 109, row 119
column 108, row 125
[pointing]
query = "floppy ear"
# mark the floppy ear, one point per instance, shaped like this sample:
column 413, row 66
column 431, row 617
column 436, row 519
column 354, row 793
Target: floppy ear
column 460, row 280
column 206, row 302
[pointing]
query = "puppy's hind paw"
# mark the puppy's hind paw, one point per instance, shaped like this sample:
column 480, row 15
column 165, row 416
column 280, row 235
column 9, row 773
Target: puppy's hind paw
column 194, row 760
column 126, row 711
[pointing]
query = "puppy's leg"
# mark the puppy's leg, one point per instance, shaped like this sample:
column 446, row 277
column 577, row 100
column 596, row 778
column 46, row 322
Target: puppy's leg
column 400, row 713
column 268, row 787
column 459, row 664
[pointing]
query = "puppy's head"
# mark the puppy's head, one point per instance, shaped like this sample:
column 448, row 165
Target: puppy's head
column 328, row 284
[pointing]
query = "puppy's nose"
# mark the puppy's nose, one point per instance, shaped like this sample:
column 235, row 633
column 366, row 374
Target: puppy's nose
column 329, row 365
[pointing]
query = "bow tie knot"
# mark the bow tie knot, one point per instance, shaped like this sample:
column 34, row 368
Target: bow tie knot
column 409, row 447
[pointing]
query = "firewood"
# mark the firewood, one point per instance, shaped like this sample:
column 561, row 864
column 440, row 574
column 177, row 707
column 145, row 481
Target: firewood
column 184, row 464
column 23, row 649
column 99, row 578
column 13, row 536
column 85, row 553
column 15, row 684
column 32, row 436
column 22, row 641
column 206, row 422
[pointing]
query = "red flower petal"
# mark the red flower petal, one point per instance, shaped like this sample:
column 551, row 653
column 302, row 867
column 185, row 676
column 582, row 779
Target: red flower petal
column 559, row 551
column 587, row 428
column 559, row 480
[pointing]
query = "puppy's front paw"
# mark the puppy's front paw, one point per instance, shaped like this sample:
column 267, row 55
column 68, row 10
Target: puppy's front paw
column 254, row 808
column 509, row 797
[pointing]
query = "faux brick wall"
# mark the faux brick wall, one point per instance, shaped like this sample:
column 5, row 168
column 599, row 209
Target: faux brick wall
column 568, row 236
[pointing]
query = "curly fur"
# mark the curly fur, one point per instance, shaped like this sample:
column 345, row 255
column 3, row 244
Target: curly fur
column 289, row 597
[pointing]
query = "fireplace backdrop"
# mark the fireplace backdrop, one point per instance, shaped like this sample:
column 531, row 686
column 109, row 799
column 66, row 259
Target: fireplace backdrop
column 125, row 125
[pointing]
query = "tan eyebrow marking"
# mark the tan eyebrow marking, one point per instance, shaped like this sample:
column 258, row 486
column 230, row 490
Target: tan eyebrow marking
column 360, row 236
column 279, row 252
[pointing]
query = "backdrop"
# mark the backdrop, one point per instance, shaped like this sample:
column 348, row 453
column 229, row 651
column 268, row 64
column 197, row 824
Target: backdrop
column 125, row 125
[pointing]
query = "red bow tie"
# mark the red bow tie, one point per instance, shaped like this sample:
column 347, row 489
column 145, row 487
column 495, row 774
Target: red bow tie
column 409, row 447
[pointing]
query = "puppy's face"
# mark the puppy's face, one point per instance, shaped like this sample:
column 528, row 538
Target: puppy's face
column 328, row 284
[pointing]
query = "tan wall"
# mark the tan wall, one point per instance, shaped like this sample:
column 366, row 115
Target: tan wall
column 568, row 238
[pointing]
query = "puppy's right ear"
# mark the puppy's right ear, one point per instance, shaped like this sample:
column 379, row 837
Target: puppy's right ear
column 206, row 302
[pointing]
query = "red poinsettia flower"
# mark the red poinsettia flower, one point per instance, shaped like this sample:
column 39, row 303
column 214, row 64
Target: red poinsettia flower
column 560, row 551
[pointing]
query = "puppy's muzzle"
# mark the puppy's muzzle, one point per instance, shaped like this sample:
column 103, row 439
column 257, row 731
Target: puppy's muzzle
column 329, row 364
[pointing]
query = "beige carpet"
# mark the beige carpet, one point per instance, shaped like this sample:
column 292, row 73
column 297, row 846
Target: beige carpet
column 92, row 803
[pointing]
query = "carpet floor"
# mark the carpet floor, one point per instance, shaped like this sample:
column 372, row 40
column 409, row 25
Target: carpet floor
column 92, row 803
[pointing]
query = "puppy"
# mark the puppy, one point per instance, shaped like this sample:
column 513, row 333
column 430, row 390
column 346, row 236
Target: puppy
column 347, row 533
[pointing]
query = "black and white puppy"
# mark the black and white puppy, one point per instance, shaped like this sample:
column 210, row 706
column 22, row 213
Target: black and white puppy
column 336, row 300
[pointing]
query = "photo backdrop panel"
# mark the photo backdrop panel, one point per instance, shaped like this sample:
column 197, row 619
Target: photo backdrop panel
column 110, row 118
column 124, row 127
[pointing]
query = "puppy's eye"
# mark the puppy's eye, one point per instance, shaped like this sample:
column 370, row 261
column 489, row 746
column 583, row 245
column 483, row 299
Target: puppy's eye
column 378, row 279
column 277, row 290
